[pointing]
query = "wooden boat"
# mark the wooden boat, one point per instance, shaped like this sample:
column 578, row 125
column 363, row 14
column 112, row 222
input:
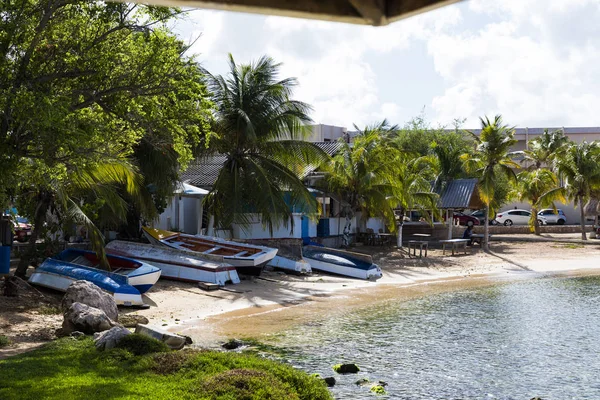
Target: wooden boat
column 340, row 262
column 177, row 264
column 248, row 259
column 126, row 283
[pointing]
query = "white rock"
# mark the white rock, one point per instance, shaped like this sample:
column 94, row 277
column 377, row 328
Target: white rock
column 173, row 340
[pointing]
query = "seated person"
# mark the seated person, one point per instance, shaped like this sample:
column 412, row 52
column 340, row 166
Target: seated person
column 469, row 234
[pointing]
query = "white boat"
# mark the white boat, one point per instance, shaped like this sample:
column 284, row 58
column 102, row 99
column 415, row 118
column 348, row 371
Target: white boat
column 129, row 279
column 340, row 262
column 247, row 258
column 289, row 265
column 177, row 264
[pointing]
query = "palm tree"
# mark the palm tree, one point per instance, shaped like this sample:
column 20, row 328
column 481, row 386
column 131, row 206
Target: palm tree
column 579, row 169
column 540, row 188
column 492, row 157
column 259, row 129
column 545, row 149
column 363, row 174
column 65, row 195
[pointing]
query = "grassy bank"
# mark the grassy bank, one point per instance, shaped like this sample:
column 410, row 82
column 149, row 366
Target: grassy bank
column 74, row 369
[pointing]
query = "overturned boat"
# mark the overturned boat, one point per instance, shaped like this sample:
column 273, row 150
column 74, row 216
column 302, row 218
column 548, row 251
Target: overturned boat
column 248, row 259
column 177, row 264
column 340, row 262
column 128, row 280
column 295, row 266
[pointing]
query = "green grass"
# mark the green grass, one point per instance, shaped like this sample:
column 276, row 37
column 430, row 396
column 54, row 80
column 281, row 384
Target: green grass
column 4, row 341
column 74, row 369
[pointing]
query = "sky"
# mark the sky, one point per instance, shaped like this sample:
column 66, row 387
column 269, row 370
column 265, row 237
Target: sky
column 536, row 62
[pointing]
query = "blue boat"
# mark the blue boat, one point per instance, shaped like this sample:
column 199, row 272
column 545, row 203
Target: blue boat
column 129, row 279
column 340, row 262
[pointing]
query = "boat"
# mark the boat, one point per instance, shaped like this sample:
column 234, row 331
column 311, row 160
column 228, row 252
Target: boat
column 176, row 264
column 300, row 266
column 126, row 283
column 341, row 262
column 248, row 259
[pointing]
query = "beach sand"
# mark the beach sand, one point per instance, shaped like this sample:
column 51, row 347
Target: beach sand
column 275, row 302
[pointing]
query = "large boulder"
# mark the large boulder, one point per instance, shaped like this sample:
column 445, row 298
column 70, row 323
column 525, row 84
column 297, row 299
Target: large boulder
column 173, row 340
column 110, row 338
column 86, row 319
column 89, row 294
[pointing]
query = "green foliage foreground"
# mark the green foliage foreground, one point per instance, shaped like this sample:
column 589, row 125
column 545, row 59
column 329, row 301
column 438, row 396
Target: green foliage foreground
column 74, row 369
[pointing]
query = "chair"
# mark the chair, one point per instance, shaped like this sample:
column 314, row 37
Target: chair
column 370, row 236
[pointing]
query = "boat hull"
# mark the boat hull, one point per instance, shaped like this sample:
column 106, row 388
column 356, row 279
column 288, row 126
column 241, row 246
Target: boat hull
column 58, row 275
column 341, row 262
column 248, row 259
column 176, row 264
column 289, row 265
column 139, row 275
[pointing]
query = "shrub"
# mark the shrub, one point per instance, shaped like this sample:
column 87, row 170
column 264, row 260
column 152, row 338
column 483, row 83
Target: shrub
column 246, row 384
column 4, row 341
column 142, row 344
column 169, row 363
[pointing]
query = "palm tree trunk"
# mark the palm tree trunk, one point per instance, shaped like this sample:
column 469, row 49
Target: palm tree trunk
column 536, row 221
column 582, row 219
column 486, row 234
column 400, row 224
column 38, row 222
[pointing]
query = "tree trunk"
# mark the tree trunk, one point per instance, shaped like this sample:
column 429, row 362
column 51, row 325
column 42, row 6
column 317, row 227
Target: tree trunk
column 582, row 216
column 486, row 230
column 38, row 222
column 536, row 223
column 400, row 224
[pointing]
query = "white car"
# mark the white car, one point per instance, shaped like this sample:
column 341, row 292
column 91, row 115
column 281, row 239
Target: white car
column 553, row 217
column 517, row 217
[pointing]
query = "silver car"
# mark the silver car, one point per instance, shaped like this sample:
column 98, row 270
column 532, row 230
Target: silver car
column 553, row 217
column 517, row 217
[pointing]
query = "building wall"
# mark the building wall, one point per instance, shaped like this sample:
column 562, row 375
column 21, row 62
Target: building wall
column 326, row 133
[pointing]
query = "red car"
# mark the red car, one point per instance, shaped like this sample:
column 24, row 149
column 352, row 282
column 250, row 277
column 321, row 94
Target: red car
column 464, row 219
column 22, row 229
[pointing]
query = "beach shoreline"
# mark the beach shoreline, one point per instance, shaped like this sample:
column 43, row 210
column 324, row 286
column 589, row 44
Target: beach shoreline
column 261, row 307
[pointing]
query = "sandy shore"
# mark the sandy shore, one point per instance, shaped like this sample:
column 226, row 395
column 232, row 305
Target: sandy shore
column 276, row 301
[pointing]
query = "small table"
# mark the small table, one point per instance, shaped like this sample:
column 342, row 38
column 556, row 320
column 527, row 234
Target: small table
column 423, row 244
column 454, row 243
column 385, row 238
column 478, row 238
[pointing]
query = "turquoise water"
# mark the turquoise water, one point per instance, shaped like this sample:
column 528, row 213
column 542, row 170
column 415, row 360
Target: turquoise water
column 509, row 341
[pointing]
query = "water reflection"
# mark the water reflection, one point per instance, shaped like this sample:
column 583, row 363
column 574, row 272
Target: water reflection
column 511, row 341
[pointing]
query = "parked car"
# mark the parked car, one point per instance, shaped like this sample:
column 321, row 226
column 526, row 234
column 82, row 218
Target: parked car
column 553, row 217
column 517, row 217
column 22, row 229
column 464, row 219
column 480, row 215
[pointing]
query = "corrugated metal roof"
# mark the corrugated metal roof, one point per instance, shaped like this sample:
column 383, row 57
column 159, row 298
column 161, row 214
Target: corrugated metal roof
column 458, row 194
column 203, row 172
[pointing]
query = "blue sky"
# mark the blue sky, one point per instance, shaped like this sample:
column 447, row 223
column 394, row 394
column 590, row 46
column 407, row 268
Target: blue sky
column 536, row 62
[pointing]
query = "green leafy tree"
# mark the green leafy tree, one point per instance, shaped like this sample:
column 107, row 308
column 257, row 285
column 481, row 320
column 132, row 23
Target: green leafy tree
column 259, row 129
column 579, row 169
column 540, row 188
column 492, row 157
column 363, row 174
column 85, row 83
column 545, row 150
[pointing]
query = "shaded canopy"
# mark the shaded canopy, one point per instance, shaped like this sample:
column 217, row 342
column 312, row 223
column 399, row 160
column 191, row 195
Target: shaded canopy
column 460, row 194
column 367, row 12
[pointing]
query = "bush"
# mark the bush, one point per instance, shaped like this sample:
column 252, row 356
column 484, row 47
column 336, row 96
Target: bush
column 246, row 384
column 142, row 344
column 4, row 341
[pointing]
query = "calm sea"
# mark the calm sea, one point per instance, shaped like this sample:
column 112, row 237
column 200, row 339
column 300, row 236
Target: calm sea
column 509, row 341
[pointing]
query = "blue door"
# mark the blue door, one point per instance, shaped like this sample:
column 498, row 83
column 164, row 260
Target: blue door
column 304, row 226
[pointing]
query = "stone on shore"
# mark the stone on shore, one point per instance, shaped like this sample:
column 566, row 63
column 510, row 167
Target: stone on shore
column 346, row 368
column 86, row 319
column 173, row 340
column 109, row 339
column 132, row 320
column 91, row 295
column 329, row 381
column 232, row 344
